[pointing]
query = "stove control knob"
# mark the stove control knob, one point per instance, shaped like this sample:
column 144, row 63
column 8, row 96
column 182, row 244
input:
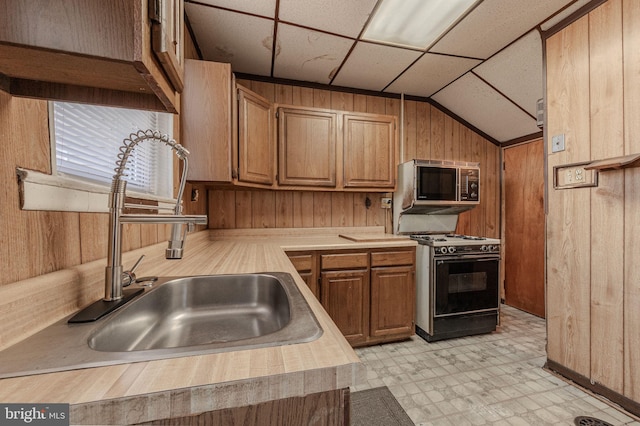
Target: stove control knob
column 451, row 249
column 494, row 248
column 443, row 250
column 484, row 248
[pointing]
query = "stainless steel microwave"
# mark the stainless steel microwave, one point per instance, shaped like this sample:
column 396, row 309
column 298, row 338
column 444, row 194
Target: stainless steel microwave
column 442, row 187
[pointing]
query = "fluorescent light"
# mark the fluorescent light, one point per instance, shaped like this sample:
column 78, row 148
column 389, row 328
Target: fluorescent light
column 413, row 23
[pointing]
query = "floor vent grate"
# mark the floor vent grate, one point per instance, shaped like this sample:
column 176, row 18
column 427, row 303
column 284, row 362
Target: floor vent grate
column 589, row 421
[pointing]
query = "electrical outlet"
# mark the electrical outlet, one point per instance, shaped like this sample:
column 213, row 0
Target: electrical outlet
column 385, row 203
column 574, row 176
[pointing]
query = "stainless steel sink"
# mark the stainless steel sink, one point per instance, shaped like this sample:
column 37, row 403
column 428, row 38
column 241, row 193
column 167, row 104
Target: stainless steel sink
column 199, row 310
column 177, row 317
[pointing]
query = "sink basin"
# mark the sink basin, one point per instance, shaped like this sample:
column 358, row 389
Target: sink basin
column 198, row 310
column 182, row 316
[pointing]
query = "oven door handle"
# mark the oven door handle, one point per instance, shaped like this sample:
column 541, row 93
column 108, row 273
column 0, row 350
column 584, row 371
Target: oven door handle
column 466, row 258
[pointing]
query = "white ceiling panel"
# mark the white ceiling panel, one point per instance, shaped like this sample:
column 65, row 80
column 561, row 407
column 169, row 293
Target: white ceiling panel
column 248, row 51
column 312, row 54
column 493, row 25
column 517, row 71
column 319, row 41
column 479, row 104
column 335, row 16
column 560, row 16
column 382, row 65
column 263, row 7
column 430, row 74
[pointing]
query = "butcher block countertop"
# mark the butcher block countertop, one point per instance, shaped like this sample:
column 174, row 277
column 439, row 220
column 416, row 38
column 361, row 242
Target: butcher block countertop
column 145, row 391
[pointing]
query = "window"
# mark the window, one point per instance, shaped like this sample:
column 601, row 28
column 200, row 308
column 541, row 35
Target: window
column 86, row 140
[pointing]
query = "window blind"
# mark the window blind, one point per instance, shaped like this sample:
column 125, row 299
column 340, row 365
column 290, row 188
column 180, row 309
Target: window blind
column 88, row 139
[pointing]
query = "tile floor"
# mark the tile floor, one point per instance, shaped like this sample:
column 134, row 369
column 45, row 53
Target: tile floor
column 491, row 379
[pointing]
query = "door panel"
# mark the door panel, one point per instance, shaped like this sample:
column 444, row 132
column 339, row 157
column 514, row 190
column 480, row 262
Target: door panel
column 524, row 227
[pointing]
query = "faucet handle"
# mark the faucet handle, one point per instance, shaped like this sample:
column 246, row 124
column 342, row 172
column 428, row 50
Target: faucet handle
column 129, row 277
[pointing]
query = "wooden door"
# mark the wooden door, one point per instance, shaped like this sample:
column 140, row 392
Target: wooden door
column 255, row 138
column 392, row 300
column 524, row 280
column 369, row 151
column 345, row 296
column 307, row 146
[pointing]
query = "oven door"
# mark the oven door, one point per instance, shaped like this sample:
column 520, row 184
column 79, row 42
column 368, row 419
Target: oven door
column 465, row 284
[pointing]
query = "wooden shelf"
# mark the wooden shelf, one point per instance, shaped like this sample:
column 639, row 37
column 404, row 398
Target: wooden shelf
column 615, row 163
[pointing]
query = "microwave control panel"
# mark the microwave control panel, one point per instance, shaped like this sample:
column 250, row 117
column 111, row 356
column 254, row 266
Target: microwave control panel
column 469, row 184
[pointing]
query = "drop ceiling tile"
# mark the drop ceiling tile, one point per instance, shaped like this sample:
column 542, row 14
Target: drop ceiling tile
column 372, row 66
column 430, row 73
column 307, row 55
column 335, row 16
column 493, row 24
column 263, row 7
column 480, row 105
column 565, row 13
column 517, row 71
column 248, row 51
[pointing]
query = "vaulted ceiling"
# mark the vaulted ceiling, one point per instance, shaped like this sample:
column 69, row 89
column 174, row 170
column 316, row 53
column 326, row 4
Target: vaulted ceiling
column 486, row 68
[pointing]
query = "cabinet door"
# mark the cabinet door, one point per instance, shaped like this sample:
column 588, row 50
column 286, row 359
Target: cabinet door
column 392, row 300
column 369, row 151
column 255, row 138
column 207, row 126
column 307, row 146
column 167, row 36
column 345, row 296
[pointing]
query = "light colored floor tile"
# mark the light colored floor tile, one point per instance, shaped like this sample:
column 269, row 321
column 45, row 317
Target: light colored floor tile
column 490, row 379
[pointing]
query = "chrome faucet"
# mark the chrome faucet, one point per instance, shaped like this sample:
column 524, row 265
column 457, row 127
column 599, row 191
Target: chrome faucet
column 115, row 277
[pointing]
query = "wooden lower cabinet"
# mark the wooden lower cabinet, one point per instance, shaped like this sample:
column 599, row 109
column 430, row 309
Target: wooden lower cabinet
column 369, row 294
column 330, row 408
column 392, row 304
column 305, row 264
column 344, row 295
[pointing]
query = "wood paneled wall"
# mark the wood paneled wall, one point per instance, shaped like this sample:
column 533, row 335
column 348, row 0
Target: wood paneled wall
column 593, row 234
column 428, row 134
column 37, row 242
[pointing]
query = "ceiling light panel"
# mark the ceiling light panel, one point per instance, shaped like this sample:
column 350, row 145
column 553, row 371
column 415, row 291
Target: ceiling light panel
column 430, row 74
column 483, row 107
column 248, row 51
column 517, row 71
column 413, row 23
column 265, row 8
column 382, row 65
column 307, row 55
column 334, row 16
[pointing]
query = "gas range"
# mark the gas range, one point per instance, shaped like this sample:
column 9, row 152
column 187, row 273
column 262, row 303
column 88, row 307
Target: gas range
column 458, row 244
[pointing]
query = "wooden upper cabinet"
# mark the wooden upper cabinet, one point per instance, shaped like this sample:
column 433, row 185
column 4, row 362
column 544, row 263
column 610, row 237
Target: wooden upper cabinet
column 88, row 51
column 256, row 148
column 307, row 146
column 369, row 151
column 167, row 36
column 207, row 120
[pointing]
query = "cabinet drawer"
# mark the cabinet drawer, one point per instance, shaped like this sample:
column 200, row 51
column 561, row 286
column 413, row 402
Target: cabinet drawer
column 346, row 260
column 392, row 258
column 302, row 262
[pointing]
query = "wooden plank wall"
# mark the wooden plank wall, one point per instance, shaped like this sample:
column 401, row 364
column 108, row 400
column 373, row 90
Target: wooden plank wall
column 593, row 238
column 36, row 242
column 428, row 134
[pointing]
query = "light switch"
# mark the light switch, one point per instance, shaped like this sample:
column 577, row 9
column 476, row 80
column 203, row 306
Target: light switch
column 557, row 143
